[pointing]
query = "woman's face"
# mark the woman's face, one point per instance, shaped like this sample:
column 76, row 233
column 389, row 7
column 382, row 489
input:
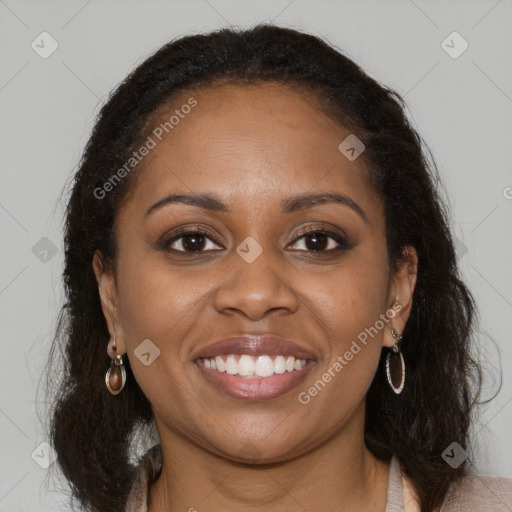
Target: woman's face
column 256, row 149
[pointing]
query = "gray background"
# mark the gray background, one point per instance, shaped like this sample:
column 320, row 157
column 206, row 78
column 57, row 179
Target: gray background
column 462, row 107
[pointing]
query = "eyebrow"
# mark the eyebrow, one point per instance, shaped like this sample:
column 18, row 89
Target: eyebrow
column 303, row 201
column 289, row 205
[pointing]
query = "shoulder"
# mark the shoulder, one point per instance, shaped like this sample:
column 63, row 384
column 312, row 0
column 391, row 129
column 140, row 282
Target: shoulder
column 145, row 473
column 475, row 493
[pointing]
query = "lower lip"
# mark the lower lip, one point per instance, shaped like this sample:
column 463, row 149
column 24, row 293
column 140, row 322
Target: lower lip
column 260, row 388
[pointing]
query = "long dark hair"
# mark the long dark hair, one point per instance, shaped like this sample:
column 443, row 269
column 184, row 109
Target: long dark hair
column 92, row 431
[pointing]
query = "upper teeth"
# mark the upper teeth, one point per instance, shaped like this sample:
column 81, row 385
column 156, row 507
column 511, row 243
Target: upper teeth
column 253, row 366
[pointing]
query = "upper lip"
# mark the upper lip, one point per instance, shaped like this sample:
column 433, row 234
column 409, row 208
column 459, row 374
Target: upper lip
column 254, row 346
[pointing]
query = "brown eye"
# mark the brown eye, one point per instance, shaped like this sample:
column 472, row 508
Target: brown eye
column 321, row 241
column 194, row 241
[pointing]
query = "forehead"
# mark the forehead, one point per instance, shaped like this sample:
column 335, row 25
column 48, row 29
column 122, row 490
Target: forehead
column 240, row 142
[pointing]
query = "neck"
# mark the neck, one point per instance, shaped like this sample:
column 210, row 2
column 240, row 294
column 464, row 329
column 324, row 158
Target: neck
column 341, row 475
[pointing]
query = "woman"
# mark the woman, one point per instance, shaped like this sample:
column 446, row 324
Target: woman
column 258, row 263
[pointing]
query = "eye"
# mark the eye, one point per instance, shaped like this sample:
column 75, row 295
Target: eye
column 190, row 240
column 321, row 240
column 197, row 241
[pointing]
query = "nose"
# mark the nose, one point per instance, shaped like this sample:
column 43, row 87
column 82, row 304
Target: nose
column 256, row 289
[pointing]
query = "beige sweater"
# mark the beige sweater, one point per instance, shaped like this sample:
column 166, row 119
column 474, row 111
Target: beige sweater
column 471, row 494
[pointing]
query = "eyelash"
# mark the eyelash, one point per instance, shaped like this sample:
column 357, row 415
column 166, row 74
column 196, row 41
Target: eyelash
column 343, row 243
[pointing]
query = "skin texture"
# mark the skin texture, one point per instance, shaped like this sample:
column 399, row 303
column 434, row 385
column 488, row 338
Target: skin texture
column 254, row 146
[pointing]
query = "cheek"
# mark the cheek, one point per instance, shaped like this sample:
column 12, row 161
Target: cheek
column 351, row 299
column 153, row 300
column 168, row 306
column 155, row 307
column 350, row 308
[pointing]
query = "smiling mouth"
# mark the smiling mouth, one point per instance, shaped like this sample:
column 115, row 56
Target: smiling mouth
column 249, row 377
column 253, row 367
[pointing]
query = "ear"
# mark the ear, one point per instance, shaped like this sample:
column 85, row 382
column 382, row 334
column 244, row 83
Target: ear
column 400, row 294
column 109, row 301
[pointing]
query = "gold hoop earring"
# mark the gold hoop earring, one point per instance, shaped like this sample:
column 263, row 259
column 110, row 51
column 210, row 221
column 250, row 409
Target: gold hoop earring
column 395, row 364
column 115, row 378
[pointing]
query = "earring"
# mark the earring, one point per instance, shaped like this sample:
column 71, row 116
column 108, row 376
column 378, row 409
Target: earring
column 115, row 378
column 395, row 365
